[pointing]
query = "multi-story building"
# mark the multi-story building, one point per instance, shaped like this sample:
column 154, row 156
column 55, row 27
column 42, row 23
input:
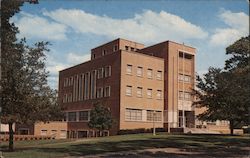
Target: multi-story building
column 143, row 87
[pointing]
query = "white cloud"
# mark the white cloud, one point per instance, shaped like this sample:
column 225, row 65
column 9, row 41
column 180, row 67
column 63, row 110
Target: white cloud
column 238, row 26
column 74, row 58
column 33, row 26
column 54, row 66
column 145, row 27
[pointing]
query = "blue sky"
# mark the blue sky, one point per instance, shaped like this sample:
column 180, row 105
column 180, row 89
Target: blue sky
column 73, row 27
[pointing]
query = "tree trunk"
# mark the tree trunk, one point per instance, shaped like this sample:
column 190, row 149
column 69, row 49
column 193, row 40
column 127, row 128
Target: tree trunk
column 231, row 127
column 11, row 137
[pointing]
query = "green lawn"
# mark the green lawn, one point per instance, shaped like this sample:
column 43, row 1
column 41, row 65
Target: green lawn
column 212, row 145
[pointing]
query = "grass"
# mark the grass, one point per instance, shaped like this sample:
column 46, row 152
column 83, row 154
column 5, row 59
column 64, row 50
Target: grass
column 211, row 145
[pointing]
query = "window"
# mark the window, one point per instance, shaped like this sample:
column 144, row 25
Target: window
column 185, row 95
column 69, row 97
column 107, row 71
column 159, row 75
column 53, row 132
column 93, row 56
column 150, row 73
column 86, row 85
column 100, row 73
column 132, row 49
column 139, row 91
column 43, row 132
column 154, row 115
column 71, row 81
column 115, row 48
column 150, row 115
column 158, row 116
column 149, row 93
column 84, row 115
column 185, row 78
column 126, row 47
column 99, row 92
column 107, row 92
column 63, row 134
column 129, row 69
column 65, row 82
column 93, row 84
column 133, row 114
column 104, row 52
column 139, row 71
column 72, row 116
column 186, row 56
column 159, row 94
column 129, row 90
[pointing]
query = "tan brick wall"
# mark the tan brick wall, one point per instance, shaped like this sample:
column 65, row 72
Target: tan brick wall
column 134, row 102
column 56, row 129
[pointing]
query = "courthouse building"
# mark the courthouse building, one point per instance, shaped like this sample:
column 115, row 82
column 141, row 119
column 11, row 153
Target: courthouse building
column 142, row 86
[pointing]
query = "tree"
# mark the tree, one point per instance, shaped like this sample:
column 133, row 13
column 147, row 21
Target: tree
column 240, row 53
column 225, row 93
column 100, row 118
column 25, row 95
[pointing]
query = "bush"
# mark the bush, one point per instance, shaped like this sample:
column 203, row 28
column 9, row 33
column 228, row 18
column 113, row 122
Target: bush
column 140, row 130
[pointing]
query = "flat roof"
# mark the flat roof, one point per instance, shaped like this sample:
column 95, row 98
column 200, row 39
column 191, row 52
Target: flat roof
column 119, row 51
column 117, row 40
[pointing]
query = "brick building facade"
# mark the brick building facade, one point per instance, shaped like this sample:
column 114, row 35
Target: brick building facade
column 141, row 86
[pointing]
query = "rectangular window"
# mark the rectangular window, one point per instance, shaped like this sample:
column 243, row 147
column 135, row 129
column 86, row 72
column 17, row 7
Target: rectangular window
column 132, row 49
column 107, row 71
column 93, row 84
column 186, row 56
column 129, row 69
column 133, row 114
column 86, row 85
column 158, row 116
column 43, row 132
column 115, row 48
column 159, row 94
column 181, row 77
column 107, row 91
column 129, row 90
column 159, row 75
column 66, row 82
column 185, row 78
column 72, row 116
column 139, row 91
column 185, row 95
column 99, row 92
column 53, row 132
column 150, row 73
column 100, row 73
column 127, row 48
column 154, row 115
column 104, row 52
column 63, row 134
column 84, row 115
column 139, row 71
column 149, row 93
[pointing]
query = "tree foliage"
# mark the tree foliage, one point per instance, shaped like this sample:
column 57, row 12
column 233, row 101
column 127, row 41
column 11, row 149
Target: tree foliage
column 225, row 93
column 100, row 118
column 25, row 94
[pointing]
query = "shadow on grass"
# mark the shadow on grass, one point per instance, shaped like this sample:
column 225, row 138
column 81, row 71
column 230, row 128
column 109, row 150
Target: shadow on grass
column 214, row 146
column 199, row 145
